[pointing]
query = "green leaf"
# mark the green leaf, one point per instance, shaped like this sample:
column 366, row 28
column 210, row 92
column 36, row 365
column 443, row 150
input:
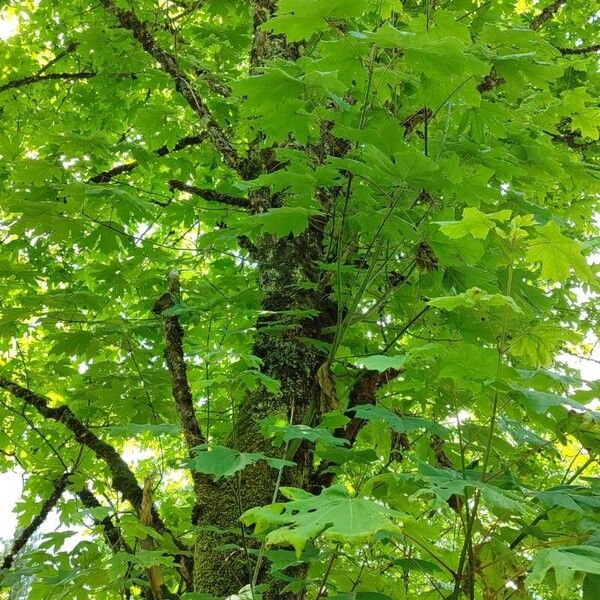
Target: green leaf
column 557, row 254
column 591, row 585
column 565, row 562
column 474, row 222
column 361, row 596
column 381, row 362
column 335, row 516
column 220, row 461
column 402, row 423
column 141, row 428
column 437, row 58
column 445, row 483
column 286, row 220
column 575, row 498
column 541, row 402
column 35, row 172
column 300, row 19
column 304, row 432
column 474, row 298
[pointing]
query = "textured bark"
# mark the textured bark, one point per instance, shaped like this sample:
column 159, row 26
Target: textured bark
column 112, row 533
column 180, row 385
column 547, row 14
column 209, row 195
column 284, row 265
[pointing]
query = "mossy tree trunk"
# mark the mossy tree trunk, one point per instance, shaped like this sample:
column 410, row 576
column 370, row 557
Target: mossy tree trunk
column 285, row 267
column 289, row 278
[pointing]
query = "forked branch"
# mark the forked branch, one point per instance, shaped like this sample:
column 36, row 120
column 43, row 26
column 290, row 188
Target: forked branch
column 168, row 63
column 123, row 479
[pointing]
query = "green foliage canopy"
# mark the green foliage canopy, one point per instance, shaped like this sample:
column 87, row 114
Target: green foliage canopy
column 314, row 266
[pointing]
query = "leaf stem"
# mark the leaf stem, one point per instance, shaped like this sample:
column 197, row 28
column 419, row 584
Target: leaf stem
column 488, row 447
column 321, row 590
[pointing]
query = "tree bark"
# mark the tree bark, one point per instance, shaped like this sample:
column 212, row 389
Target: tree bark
column 284, row 268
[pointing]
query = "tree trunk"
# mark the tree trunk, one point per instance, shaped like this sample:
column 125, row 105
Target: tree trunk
column 285, row 266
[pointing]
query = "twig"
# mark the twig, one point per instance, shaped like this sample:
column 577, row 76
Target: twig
column 16, row 83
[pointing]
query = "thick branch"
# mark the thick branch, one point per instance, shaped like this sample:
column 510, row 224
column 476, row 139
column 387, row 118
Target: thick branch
column 106, row 176
column 547, row 14
column 123, row 479
column 185, row 142
column 59, row 487
column 168, row 63
column 111, row 532
column 364, row 391
column 182, row 392
column 210, row 195
column 49, row 76
column 581, row 50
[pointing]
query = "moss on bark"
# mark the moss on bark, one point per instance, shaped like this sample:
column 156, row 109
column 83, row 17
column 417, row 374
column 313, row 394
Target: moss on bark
column 222, row 565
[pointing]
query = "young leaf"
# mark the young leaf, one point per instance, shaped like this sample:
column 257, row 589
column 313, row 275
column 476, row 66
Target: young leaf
column 474, row 222
column 557, row 254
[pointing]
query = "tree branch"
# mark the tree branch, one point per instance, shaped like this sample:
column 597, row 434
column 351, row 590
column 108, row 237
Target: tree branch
column 111, row 532
column 123, row 479
column 570, row 138
column 547, row 14
column 16, row 83
column 59, row 487
column 580, row 50
column 212, row 82
column 491, row 80
column 210, row 195
column 364, row 391
column 185, row 142
column 71, row 47
column 106, row 176
column 130, row 21
column 182, row 392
